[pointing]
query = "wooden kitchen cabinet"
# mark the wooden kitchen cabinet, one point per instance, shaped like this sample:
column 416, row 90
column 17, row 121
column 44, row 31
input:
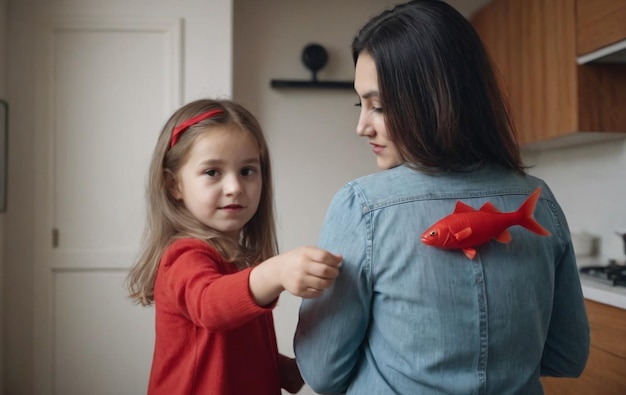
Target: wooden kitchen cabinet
column 492, row 24
column 599, row 23
column 553, row 100
column 605, row 373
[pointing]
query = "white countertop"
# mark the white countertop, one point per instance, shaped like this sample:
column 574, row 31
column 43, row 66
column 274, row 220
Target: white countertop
column 603, row 293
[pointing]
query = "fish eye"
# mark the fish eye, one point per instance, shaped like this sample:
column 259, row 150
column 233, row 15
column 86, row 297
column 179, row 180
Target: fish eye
column 432, row 233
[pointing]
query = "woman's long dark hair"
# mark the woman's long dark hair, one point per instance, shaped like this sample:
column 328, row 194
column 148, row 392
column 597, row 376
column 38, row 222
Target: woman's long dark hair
column 442, row 104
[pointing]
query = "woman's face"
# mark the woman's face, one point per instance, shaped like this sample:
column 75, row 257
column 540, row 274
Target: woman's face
column 372, row 118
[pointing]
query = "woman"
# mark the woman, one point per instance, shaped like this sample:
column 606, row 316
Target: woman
column 406, row 317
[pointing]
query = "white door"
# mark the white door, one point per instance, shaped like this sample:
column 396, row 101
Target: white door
column 107, row 76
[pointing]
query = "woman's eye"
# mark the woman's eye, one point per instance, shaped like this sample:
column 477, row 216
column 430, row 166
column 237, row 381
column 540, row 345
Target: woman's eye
column 357, row 104
column 377, row 109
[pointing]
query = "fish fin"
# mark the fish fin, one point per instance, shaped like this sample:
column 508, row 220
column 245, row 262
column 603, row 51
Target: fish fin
column 463, row 234
column 504, row 237
column 447, row 237
column 463, row 208
column 527, row 209
column 489, row 208
column 469, row 252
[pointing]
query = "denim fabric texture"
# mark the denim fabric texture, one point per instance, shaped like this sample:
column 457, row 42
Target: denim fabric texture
column 407, row 318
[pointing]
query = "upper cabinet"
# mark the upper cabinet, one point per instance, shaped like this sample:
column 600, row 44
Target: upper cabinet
column 600, row 24
column 554, row 101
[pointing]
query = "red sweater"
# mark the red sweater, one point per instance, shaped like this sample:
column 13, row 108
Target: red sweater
column 211, row 337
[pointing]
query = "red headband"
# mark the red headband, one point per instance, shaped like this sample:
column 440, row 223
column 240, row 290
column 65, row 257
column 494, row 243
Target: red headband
column 178, row 130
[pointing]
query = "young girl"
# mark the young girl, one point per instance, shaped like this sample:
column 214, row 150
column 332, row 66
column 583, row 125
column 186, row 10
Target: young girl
column 209, row 264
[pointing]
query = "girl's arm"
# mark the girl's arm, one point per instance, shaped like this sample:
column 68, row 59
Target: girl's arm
column 194, row 280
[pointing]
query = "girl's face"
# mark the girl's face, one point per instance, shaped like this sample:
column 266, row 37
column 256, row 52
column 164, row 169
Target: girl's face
column 220, row 182
column 372, row 119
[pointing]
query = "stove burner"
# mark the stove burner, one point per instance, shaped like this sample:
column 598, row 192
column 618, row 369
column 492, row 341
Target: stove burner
column 612, row 274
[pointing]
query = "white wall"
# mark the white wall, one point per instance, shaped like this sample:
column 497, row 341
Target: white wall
column 589, row 182
column 311, row 133
column 18, row 260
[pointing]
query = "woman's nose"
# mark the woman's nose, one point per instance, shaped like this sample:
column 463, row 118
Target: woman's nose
column 363, row 126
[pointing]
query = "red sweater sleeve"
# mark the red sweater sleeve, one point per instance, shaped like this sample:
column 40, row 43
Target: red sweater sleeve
column 194, row 280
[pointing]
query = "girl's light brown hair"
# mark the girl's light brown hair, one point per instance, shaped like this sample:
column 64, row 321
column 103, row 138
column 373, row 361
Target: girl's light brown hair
column 167, row 218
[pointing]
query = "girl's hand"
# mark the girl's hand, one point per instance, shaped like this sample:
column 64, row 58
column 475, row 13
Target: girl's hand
column 290, row 378
column 304, row 272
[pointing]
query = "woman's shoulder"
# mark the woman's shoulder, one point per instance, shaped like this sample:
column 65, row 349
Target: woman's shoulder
column 385, row 175
column 403, row 184
column 382, row 179
column 359, row 194
column 385, row 184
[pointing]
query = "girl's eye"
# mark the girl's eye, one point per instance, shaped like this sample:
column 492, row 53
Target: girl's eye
column 212, row 173
column 377, row 109
column 357, row 104
column 248, row 171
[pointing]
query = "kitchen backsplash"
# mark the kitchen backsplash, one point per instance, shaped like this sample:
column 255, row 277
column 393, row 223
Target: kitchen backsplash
column 589, row 183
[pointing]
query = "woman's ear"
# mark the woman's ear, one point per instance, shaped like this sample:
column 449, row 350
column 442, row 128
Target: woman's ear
column 171, row 185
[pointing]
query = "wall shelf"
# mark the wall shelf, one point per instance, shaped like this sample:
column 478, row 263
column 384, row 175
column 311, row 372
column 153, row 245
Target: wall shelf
column 314, row 57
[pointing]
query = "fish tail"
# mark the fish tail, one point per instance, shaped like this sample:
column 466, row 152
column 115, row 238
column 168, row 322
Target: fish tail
column 527, row 210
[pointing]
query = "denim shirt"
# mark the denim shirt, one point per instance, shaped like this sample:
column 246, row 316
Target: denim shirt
column 407, row 318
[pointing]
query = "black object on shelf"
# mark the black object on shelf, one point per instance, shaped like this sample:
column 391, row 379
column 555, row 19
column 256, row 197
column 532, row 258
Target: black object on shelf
column 314, row 57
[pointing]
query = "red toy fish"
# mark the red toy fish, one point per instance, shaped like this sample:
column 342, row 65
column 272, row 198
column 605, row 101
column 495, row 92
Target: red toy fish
column 467, row 228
